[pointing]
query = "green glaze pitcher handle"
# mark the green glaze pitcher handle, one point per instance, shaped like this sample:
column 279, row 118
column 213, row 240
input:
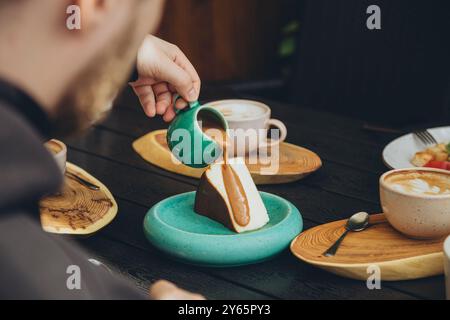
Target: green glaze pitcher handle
column 192, row 105
column 190, row 145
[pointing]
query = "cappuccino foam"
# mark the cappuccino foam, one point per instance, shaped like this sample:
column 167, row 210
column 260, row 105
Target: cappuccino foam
column 239, row 111
column 53, row 147
column 420, row 183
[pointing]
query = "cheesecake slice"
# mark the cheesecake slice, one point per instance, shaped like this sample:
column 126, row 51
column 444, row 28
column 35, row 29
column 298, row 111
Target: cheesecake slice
column 227, row 194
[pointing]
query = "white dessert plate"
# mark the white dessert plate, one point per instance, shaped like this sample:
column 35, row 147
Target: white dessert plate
column 398, row 153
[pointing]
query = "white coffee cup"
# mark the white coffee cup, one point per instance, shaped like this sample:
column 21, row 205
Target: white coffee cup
column 417, row 215
column 59, row 151
column 243, row 115
column 447, row 266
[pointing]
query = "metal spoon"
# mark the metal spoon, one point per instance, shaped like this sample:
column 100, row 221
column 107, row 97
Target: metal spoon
column 83, row 181
column 357, row 222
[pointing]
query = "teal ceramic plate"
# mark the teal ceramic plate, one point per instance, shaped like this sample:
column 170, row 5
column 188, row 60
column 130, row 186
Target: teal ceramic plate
column 173, row 227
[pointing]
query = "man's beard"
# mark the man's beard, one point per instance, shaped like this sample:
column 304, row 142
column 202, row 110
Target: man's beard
column 90, row 97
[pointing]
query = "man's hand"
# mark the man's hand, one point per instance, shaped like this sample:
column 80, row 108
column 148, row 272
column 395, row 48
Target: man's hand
column 164, row 70
column 164, row 290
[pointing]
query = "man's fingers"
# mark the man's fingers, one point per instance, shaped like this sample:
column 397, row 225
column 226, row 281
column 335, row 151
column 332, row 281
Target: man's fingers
column 164, row 290
column 181, row 104
column 172, row 73
column 180, row 59
column 142, row 81
column 146, row 98
column 164, row 101
column 163, row 97
column 169, row 115
column 164, row 69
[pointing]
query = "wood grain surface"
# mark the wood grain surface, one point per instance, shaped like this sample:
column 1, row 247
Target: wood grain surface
column 78, row 209
column 295, row 162
column 399, row 257
column 347, row 183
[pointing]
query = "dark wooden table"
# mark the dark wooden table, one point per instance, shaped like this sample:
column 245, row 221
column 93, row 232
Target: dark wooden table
column 347, row 183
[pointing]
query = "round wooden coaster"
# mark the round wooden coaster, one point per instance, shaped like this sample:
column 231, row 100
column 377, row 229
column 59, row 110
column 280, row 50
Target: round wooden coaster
column 381, row 246
column 295, row 162
column 77, row 209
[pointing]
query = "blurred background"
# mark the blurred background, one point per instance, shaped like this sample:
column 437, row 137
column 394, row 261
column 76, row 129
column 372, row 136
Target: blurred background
column 320, row 54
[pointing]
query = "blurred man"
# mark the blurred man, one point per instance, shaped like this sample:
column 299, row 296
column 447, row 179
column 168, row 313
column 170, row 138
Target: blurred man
column 55, row 81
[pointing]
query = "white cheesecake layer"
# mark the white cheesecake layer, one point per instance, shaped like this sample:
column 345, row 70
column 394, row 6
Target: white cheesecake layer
column 258, row 212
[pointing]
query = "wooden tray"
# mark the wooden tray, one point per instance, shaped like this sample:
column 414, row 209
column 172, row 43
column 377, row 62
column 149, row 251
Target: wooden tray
column 399, row 257
column 295, row 162
column 78, row 210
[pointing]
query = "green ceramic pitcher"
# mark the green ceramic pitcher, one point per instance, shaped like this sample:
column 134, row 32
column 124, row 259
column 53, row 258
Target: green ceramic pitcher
column 186, row 140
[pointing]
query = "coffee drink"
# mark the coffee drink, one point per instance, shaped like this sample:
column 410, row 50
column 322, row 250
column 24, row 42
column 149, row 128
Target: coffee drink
column 238, row 111
column 421, row 183
column 53, row 146
column 416, row 202
column 59, row 151
column 249, row 122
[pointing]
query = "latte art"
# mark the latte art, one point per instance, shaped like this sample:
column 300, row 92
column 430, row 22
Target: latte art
column 416, row 202
column 420, row 183
column 240, row 111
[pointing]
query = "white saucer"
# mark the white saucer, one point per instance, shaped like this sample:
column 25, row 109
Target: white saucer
column 398, row 153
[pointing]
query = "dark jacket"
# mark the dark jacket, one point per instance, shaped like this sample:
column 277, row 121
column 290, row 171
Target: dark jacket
column 33, row 264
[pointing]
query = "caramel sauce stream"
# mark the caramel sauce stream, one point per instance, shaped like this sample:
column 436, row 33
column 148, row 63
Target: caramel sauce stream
column 233, row 185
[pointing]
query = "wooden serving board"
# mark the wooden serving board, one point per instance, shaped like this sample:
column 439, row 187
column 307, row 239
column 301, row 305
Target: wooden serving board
column 398, row 257
column 295, row 162
column 78, row 210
